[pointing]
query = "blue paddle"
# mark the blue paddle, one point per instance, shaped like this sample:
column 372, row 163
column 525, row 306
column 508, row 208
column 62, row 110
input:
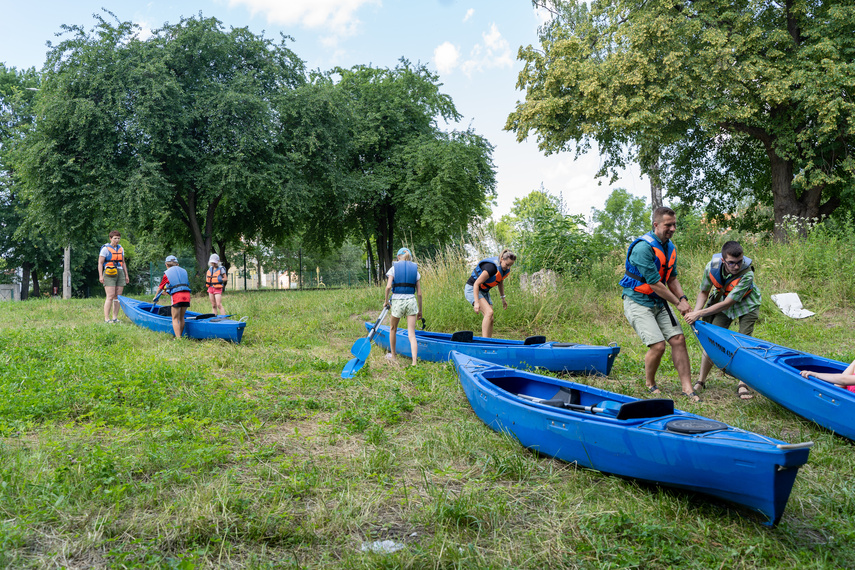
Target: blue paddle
column 361, row 349
column 154, row 301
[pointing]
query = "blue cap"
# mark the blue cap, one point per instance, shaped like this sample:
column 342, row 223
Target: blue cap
column 404, row 250
column 171, row 258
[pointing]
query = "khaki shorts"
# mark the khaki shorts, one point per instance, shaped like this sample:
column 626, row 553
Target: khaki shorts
column 652, row 325
column 746, row 321
column 405, row 307
column 117, row 280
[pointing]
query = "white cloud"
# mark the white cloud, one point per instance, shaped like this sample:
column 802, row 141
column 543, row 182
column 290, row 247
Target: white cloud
column 494, row 52
column 335, row 16
column 446, row 56
column 469, row 13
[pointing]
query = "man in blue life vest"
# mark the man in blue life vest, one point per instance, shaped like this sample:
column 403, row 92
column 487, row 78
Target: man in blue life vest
column 736, row 296
column 649, row 284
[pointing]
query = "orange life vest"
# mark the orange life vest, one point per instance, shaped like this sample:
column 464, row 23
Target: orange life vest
column 214, row 277
column 665, row 261
column 115, row 256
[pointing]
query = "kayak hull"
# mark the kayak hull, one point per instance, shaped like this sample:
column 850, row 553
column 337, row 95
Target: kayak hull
column 774, row 371
column 552, row 356
column 139, row 312
column 719, row 460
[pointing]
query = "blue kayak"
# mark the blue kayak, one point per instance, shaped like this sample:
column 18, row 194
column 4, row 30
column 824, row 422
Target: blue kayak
column 196, row 325
column 533, row 352
column 773, row 370
column 644, row 439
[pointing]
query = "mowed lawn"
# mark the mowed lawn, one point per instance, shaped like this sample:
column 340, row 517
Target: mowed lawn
column 124, row 448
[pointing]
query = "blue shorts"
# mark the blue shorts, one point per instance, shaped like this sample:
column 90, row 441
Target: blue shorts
column 469, row 293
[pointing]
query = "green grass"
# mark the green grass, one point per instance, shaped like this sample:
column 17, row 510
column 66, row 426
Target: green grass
column 122, row 448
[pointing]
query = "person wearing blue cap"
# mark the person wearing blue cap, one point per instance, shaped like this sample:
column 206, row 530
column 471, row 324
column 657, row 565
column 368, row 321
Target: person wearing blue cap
column 404, row 284
column 177, row 284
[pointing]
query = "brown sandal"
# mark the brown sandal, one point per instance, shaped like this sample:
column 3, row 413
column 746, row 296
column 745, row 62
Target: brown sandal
column 743, row 392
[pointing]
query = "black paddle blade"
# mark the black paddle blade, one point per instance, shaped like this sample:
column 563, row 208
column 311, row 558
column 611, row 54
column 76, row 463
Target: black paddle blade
column 654, row 408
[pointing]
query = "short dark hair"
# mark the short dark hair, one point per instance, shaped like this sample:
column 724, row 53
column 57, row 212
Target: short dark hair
column 731, row 249
column 114, row 233
column 661, row 212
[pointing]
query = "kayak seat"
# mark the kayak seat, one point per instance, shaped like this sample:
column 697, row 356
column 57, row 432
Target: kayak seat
column 165, row 311
column 563, row 397
column 653, row 408
column 538, row 339
column 462, row 336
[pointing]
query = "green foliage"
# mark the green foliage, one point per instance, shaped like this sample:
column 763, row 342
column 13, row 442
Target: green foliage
column 403, row 178
column 710, row 79
column 623, row 218
column 544, row 237
column 142, row 129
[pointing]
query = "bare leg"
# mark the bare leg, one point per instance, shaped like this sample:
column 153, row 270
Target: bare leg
column 680, row 357
column 706, row 366
column 393, row 334
column 487, row 323
column 178, row 320
column 411, row 332
column 213, row 299
column 651, row 362
column 117, row 308
column 219, row 309
column 108, row 302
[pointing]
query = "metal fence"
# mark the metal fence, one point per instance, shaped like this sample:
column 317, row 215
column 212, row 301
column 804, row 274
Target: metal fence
column 249, row 279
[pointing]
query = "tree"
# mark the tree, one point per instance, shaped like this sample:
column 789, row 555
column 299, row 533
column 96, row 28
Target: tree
column 637, row 77
column 176, row 133
column 623, row 218
column 399, row 174
column 545, row 236
column 21, row 244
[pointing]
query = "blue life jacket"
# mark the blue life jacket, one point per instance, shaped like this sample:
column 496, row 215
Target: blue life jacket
column 665, row 260
column 494, row 279
column 406, row 275
column 178, row 280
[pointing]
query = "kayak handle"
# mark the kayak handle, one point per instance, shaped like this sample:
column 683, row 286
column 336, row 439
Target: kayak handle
column 243, row 319
column 803, row 445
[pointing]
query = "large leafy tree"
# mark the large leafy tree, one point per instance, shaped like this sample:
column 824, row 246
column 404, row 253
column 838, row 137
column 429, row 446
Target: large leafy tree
column 637, row 77
column 399, row 175
column 177, row 134
column 21, row 244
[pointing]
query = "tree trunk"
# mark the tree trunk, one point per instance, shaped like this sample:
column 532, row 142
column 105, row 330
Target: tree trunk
column 370, row 259
column 25, row 280
column 385, row 239
column 202, row 240
column 655, row 183
column 36, row 291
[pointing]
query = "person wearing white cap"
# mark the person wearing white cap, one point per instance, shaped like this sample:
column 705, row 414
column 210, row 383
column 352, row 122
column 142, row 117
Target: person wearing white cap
column 404, row 283
column 177, row 284
column 215, row 279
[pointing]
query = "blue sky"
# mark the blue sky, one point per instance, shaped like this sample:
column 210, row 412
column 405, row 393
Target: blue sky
column 471, row 44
